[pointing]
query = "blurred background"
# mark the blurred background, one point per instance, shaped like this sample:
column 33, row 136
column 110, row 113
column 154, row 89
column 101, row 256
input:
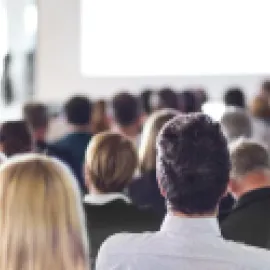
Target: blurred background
column 45, row 49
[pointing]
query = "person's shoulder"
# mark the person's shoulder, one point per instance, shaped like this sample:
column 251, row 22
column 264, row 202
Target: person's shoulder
column 118, row 251
column 257, row 258
column 60, row 142
column 124, row 243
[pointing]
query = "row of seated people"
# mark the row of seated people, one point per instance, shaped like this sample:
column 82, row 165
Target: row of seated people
column 106, row 203
column 42, row 222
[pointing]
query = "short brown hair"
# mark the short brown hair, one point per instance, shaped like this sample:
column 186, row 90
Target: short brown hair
column 111, row 160
column 36, row 115
column 16, row 138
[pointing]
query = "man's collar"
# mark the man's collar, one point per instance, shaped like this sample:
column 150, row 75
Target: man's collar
column 184, row 225
column 101, row 199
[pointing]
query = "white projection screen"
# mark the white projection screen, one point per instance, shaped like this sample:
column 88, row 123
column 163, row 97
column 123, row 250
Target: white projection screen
column 126, row 38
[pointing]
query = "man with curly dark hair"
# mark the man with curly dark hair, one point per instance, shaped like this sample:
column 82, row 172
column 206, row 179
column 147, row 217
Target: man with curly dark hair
column 193, row 170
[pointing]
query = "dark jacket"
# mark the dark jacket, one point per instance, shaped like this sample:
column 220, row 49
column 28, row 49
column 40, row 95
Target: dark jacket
column 75, row 145
column 116, row 216
column 249, row 222
column 45, row 148
column 144, row 192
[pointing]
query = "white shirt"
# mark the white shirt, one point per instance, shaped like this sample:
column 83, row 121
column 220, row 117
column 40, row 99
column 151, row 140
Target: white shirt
column 104, row 198
column 181, row 244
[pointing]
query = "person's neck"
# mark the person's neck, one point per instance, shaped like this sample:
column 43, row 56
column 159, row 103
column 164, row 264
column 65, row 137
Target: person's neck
column 251, row 182
column 80, row 129
column 183, row 215
column 129, row 131
column 40, row 135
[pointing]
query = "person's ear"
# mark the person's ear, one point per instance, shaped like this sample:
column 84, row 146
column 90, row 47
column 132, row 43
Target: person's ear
column 232, row 186
column 162, row 191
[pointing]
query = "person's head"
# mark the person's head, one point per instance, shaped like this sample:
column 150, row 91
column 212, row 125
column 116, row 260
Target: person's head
column 260, row 108
column 167, row 99
column 236, row 123
column 126, row 113
column 153, row 125
column 201, row 95
column 188, row 102
column 36, row 116
column 235, row 97
column 78, row 111
column 15, row 138
column 111, row 160
column 41, row 218
column 145, row 100
column 250, row 166
column 100, row 121
column 192, row 164
column 265, row 89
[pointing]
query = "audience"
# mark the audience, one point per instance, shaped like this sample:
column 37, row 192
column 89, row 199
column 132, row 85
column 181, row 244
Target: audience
column 235, row 97
column 15, row 138
column 193, row 173
column 250, row 185
column 236, row 123
column 41, row 220
column 184, row 172
column 78, row 113
column 144, row 189
column 126, row 115
column 100, row 121
column 111, row 160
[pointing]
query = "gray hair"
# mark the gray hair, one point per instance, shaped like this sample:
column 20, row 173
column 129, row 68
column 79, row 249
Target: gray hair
column 236, row 123
column 247, row 156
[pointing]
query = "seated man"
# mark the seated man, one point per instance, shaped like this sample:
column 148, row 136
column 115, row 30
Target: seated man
column 37, row 117
column 15, row 138
column 126, row 115
column 250, row 184
column 235, row 97
column 111, row 160
column 193, row 171
column 236, row 123
column 78, row 114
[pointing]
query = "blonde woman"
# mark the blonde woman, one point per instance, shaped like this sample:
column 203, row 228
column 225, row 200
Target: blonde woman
column 41, row 221
column 111, row 160
column 144, row 189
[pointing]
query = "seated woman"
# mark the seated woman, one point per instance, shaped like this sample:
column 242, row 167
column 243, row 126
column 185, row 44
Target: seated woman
column 144, row 189
column 41, row 221
column 111, row 160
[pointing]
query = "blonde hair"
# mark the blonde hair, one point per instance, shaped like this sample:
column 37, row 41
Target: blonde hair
column 147, row 152
column 111, row 160
column 41, row 221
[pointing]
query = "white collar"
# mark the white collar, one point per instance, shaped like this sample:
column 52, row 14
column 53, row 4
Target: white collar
column 181, row 225
column 101, row 199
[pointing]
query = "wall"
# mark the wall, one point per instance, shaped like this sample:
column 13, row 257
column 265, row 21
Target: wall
column 58, row 62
